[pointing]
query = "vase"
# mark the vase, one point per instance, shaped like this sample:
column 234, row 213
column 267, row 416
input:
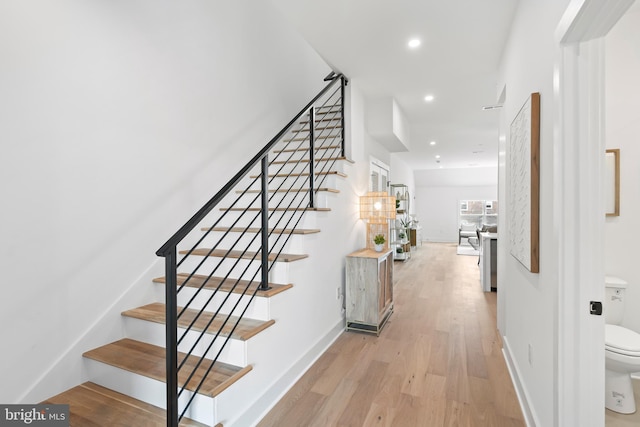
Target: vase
column 378, row 248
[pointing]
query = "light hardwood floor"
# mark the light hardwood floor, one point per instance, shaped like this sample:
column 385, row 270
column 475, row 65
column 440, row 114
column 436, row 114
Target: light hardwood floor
column 437, row 362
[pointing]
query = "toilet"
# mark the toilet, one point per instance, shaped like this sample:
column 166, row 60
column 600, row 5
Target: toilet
column 622, row 350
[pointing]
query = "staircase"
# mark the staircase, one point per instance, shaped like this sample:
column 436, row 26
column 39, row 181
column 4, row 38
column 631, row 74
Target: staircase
column 228, row 270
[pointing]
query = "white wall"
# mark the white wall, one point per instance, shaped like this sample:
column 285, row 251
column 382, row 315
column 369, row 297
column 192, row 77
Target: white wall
column 118, row 120
column 438, row 192
column 530, row 315
column 622, row 130
column 400, row 173
column 438, row 209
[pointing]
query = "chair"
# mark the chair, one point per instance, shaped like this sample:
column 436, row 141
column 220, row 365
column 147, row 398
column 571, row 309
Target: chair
column 467, row 229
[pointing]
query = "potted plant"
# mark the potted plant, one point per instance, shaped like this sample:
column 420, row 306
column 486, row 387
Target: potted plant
column 406, row 225
column 378, row 241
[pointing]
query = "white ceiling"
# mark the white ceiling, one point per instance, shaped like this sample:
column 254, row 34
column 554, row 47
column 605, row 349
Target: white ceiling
column 462, row 41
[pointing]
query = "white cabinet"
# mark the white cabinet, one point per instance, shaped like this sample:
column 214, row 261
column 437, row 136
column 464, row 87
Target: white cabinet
column 368, row 290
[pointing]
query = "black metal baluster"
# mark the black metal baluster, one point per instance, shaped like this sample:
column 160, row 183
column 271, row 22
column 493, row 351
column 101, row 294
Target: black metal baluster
column 343, row 84
column 171, row 302
column 264, row 284
column 312, row 154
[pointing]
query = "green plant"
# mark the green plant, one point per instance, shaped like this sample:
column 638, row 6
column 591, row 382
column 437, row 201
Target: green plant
column 399, row 250
column 379, row 239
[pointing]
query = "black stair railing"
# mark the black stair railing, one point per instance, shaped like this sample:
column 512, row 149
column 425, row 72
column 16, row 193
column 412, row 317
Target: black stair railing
column 245, row 240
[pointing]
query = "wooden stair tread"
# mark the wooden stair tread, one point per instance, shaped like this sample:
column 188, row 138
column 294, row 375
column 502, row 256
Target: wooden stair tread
column 328, row 110
column 277, row 209
column 296, row 150
column 257, row 230
column 306, row 128
column 322, row 119
column 286, row 175
column 247, row 255
column 197, row 281
column 149, row 360
column 293, row 190
column 315, row 138
column 91, row 405
column 247, row 328
column 328, row 159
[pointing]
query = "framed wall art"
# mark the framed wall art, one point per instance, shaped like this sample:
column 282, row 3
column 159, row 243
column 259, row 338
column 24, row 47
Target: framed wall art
column 612, row 182
column 523, row 197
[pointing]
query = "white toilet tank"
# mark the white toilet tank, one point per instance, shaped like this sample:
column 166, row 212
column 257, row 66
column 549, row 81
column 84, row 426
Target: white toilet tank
column 614, row 299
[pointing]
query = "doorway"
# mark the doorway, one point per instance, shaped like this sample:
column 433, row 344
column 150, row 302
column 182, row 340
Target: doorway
column 379, row 175
column 579, row 205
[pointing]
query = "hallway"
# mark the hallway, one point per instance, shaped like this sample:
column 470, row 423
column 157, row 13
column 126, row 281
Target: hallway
column 437, row 362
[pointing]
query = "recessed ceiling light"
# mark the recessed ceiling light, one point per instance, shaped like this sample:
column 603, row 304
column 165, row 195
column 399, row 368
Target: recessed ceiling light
column 429, row 98
column 432, row 143
column 414, row 43
column 437, row 156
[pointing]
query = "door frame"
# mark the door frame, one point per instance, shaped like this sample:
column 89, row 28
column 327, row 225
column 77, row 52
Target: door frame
column 578, row 215
column 377, row 164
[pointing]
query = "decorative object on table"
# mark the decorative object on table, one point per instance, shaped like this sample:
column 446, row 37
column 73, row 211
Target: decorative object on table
column 377, row 207
column 378, row 241
column 524, row 192
column 612, row 183
column 400, row 230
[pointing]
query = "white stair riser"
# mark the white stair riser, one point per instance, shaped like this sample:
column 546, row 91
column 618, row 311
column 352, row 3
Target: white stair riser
column 258, row 308
column 251, row 242
column 277, row 219
column 235, row 352
column 325, row 181
column 276, row 275
column 299, row 167
column 149, row 390
column 282, row 199
column 325, row 148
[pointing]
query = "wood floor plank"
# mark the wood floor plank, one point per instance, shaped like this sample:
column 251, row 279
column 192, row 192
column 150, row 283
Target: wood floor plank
column 437, row 362
column 360, row 401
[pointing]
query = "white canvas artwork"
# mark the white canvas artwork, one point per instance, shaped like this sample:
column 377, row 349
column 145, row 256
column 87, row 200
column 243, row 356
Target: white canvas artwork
column 524, row 184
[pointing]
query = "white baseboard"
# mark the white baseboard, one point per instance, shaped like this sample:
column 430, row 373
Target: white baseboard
column 281, row 386
column 521, row 392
